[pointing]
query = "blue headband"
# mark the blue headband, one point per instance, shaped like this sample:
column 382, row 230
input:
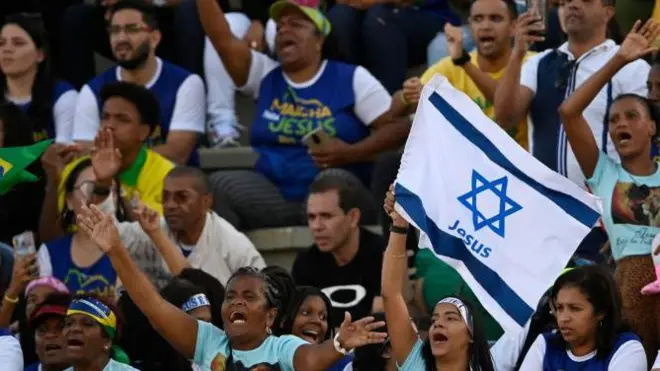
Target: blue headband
column 195, row 301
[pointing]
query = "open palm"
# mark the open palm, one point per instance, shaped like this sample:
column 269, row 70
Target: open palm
column 106, row 159
column 148, row 218
column 361, row 332
column 639, row 41
column 99, row 227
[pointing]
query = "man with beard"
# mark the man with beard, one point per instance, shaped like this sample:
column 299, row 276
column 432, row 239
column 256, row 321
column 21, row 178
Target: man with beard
column 537, row 87
column 493, row 24
column 134, row 37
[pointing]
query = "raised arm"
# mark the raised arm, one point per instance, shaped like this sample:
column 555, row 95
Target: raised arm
column 583, row 143
column 234, row 53
column 512, row 100
column 149, row 220
column 178, row 328
column 395, row 270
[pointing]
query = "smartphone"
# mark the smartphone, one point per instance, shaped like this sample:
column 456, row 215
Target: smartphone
column 316, row 138
column 24, row 244
column 540, row 9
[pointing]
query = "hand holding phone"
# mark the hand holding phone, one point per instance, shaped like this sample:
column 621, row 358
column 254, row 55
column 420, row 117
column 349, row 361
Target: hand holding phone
column 529, row 29
column 24, row 244
column 317, row 138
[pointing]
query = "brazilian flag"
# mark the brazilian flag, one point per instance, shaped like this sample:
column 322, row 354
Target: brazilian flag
column 14, row 161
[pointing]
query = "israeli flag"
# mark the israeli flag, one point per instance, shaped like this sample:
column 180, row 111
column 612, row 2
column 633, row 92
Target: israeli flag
column 502, row 219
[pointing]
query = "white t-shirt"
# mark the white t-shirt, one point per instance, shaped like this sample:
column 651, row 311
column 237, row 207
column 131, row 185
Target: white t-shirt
column 371, row 98
column 630, row 356
column 631, row 79
column 11, row 355
column 507, row 349
column 656, row 364
column 189, row 112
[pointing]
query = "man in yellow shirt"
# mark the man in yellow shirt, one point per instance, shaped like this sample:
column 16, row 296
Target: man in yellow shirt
column 130, row 113
column 493, row 24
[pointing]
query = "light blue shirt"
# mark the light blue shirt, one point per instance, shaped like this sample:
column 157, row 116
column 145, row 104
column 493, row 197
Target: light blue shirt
column 631, row 207
column 415, row 360
column 212, row 350
column 113, row 366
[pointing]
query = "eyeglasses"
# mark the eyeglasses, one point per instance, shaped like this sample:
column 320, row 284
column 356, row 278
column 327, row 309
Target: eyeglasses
column 129, row 29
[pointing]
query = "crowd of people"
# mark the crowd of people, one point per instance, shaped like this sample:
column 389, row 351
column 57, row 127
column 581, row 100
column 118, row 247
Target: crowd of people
column 139, row 258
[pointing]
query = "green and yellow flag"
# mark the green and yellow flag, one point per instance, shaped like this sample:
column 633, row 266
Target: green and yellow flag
column 14, row 161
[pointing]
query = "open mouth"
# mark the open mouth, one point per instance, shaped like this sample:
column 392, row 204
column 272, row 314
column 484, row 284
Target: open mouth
column 287, row 45
column 311, row 336
column 439, row 338
column 486, row 40
column 623, row 137
column 237, row 318
column 53, row 348
column 74, row 344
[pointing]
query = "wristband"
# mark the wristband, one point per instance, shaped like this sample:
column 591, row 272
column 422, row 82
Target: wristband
column 462, row 60
column 399, row 230
column 101, row 191
column 338, row 347
column 11, row 300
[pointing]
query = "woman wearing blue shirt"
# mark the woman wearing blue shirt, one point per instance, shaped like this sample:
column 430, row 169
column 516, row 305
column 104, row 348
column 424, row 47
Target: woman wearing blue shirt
column 27, row 81
column 297, row 94
column 251, row 304
column 455, row 340
column 630, row 189
column 591, row 336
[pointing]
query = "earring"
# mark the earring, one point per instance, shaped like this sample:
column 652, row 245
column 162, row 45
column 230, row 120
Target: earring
column 268, row 330
column 106, row 348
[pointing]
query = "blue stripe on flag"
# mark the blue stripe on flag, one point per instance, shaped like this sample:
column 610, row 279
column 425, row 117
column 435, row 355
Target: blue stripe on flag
column 453, row 247
column 577, row 209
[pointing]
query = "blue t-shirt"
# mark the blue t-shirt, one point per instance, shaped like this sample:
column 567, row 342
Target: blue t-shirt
column 415, row 360
column 34, row 367
column 557, row 358
column 286, row 114
column 113, row 366
column 99, row 278
column 212, row 350
column 631, row 207
column 165, row 89
column 59, row 89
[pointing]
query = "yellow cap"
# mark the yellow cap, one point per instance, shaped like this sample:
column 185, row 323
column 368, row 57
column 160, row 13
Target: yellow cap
column 314, row 15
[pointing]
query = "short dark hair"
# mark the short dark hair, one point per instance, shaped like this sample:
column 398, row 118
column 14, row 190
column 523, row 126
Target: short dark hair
column 148, row 13
column 202, row 184
column 510, row 6
column 346, row 188
column 144, row 100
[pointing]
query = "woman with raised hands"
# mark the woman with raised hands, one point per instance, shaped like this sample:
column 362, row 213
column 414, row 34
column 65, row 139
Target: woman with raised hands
column 630, row 189
column 455, row 340
column 248, row 312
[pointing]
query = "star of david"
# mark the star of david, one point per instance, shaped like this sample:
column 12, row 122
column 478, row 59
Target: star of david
column 507, row 206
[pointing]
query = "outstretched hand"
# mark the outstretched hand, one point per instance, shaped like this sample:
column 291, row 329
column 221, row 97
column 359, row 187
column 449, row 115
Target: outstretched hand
column 99, row 227
column 106, row 159
column 639, row 41
column 148, row 218
column 360, row 333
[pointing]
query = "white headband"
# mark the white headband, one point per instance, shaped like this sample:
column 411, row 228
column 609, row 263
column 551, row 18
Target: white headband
column 462, row 309
column 195, row 301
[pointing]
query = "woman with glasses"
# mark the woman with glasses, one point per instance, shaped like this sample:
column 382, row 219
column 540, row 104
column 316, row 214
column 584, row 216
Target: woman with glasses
column 455, row 339
column 26, row 78
column 591, row 334
column 73, row 258
column 630, row 189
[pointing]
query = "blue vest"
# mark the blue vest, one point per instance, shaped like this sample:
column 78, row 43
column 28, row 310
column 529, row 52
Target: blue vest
column 556, row 357
column 33, row 367
column 59, row 88
column 99, row 278
column 165, row 89
column 286, row 114
column 555, row 81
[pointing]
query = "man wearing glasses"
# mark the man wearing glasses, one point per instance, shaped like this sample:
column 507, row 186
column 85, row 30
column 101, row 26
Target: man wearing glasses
column 134, row 37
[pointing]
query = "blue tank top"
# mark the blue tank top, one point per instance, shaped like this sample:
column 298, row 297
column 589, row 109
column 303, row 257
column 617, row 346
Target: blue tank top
column 286, row 114
column 59, row 89
column 556, row 357
column 99, row 278
column 165, row 89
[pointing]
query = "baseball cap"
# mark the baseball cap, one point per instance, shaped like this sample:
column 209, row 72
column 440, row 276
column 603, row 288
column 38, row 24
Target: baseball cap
column 44, row 311
column 314, row 15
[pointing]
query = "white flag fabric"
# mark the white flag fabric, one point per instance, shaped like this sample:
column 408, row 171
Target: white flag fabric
column 502, row 219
